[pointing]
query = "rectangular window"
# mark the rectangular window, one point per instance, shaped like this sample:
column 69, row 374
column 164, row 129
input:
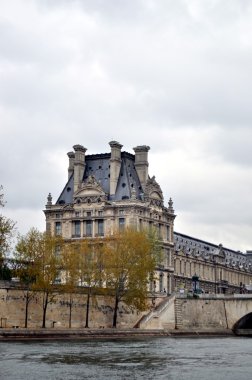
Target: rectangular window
column 100, row 227
column 169, row 256
column 89, row 228
column 89, row 213
column 140, row 224
column 160, row 231
column 100, row 213
column 121, row 224
column 76, row 228
column 57, row 251
column 58, row 228
column 168, row 233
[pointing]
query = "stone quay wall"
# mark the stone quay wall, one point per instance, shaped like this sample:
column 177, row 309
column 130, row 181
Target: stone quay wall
column 12, row 311
column 216, row 312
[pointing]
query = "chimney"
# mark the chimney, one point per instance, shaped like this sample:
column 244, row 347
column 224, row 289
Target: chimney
column 115, row 165
column 71, row 157
column 79, row 165
column 141, row 163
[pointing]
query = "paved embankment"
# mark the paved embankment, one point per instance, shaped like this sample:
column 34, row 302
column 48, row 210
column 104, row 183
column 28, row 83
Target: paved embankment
column 77, row 334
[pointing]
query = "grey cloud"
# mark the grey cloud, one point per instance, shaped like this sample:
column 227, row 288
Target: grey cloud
column 172, row 75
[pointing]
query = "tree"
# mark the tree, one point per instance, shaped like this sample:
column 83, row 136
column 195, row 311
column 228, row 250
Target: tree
column 90, row 267
column 71, row 273
column 39, row 266
column 130, row 257
column 27, row 254
column 7, row 229
column 48, row 269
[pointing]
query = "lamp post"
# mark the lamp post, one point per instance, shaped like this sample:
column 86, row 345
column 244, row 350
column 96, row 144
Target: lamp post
column 215, row 275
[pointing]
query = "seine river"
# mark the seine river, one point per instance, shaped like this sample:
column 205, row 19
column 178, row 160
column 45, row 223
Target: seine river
column 160, row 358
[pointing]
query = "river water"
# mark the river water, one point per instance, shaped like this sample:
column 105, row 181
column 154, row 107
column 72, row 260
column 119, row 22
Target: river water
column 161, row 358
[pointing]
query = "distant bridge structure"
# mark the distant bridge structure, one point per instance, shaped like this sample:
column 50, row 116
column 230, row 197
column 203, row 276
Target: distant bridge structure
column 206, row 312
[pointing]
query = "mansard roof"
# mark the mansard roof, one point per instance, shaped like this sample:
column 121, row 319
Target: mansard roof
column 198, row 247
column 98, row 166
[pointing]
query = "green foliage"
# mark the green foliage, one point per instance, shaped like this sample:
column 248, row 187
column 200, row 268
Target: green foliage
column 7, row 229
column 5, row 272
column 39, row 265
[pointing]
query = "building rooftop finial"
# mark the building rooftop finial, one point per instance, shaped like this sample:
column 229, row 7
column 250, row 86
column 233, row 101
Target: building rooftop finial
column 170, row 205
column 49, row 201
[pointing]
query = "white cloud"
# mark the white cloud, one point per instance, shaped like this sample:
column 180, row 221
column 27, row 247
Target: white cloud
column 172, row 75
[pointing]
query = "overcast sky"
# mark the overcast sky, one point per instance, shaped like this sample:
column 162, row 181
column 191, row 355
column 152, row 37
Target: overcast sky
column 174, row 75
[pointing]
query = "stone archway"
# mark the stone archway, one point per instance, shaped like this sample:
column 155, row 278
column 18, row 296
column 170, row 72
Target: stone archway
column 244, row 325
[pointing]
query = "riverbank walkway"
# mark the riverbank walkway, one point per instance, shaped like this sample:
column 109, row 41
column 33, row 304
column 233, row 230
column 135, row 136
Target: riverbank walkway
column 87, row 334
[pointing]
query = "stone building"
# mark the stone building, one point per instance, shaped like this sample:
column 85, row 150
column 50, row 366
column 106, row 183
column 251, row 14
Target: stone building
column 109, row 191
column 221, row 270
column 106, row 192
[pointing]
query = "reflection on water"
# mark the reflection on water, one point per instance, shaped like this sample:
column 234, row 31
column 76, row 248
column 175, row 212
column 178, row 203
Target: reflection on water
column 167, row 358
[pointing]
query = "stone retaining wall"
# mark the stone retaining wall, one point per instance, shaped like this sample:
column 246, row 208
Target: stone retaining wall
column 12, row 311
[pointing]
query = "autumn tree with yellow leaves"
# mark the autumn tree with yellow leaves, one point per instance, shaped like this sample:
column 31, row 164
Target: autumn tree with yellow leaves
column 130, row 258
column 70, row 274
column 39, row 266
column 82, row 265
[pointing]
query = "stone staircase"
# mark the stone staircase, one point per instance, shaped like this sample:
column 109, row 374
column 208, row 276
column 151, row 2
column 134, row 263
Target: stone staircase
column 178, row 313
column 146, row 320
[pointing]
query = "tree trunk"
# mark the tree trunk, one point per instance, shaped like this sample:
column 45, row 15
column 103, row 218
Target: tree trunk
column 87, row 308
column 70, row 311
column 45, row 303
column 27, row 300
column 115, row 310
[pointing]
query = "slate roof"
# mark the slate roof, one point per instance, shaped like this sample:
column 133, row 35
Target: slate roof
column 98, row 165
column 191, row 245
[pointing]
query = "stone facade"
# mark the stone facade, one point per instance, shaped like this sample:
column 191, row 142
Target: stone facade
column 106, row 192
column 220, row 270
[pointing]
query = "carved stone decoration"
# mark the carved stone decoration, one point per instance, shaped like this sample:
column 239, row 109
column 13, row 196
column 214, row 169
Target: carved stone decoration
column 68, row 207
column 90, row 199
column 133, row 193
column 153, row 192
column 49, row 200
column 90, row 192
column 170, row 206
